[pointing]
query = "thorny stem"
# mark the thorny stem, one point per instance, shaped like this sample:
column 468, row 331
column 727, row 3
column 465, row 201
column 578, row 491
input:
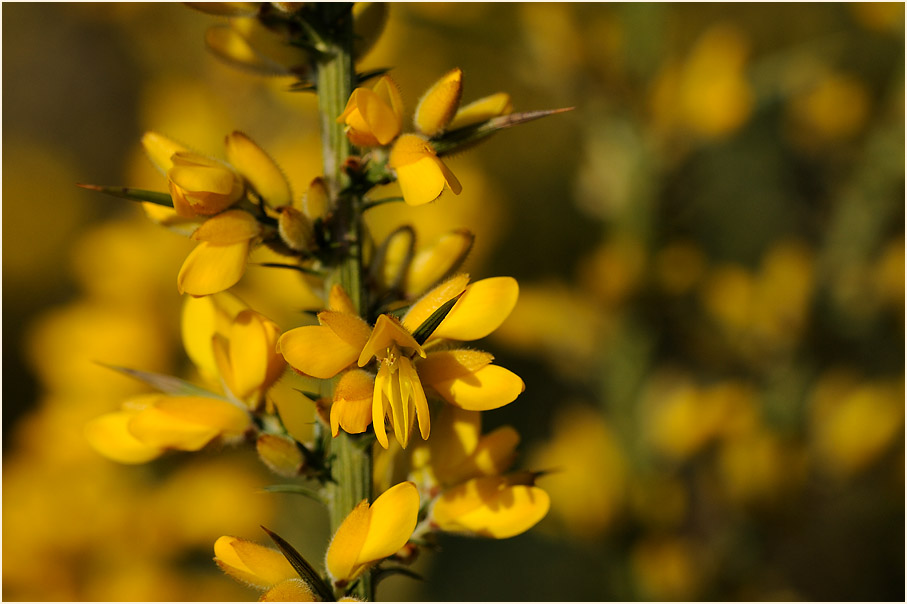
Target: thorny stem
column 351, row 468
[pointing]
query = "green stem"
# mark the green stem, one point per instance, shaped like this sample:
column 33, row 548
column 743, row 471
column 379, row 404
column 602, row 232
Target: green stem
column 351, row 467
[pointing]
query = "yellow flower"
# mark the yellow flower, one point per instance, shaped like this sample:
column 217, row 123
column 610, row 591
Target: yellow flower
column 149, row 425
column 491, row 506
column 200, row 185
column 421, row 173
column 218, row 262
column 373, row 116
column 371, row 533
column 465, row 378
column 462, row 468
column 263, row 568
column 232, row 345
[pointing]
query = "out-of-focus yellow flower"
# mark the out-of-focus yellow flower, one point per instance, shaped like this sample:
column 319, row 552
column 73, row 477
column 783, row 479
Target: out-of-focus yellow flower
column 682, row 418
column 588, row 472
column 679, row 266
column 491, row 506
column 561, row 324
column 889, row 276
column 246, row 43
column 218, row 262
column 614, row 270
column 373, row 116
column 666, row 569
column 185, row 423
column 421, row 173
column 853, row 424
column 464, row 378
column 832, row 109
column 881, row 16
column 708, row 94
column 760, row 467
column 371, row 533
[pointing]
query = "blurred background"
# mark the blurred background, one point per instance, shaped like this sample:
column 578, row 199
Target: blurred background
column 710, row 249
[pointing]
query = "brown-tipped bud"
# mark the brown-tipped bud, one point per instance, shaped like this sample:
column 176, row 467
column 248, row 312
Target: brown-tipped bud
column 316, row 200
column 295, row 229
column 280, row 454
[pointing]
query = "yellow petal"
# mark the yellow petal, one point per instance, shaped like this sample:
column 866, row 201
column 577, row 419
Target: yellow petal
column 490, row 507
column 295, row 415
column 195, row 172
column 228, row 227
column 258, row 169
column 339, row 301
column 488, row 387
column 393, row 519
column 423, row 308
column 421, row 182
column 482, row 110
column 110, row 436
column 421, row 174
column 251, row 563
column 211, row 268
column 187, row 423
column 439, row 105
column 342, row 559
column 444, row 365
column 494, row 453
column 317, row 351
column 352, row 408
column 431, row 265
column 480, row 310
column 387, row 331
column 161, row 149
column 455, row 437
column 254, row 362
column 201, row 319
column 290, row 590
column 370, row 119
column 408, row 149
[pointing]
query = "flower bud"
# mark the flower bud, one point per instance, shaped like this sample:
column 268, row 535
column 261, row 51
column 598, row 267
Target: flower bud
column 295, row 229
column 281, row 455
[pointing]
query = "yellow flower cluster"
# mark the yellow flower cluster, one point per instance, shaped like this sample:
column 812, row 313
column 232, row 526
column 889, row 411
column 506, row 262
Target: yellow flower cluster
column 374, row 118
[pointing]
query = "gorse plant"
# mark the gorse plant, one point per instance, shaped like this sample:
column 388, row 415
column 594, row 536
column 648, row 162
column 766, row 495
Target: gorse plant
column 395, row 388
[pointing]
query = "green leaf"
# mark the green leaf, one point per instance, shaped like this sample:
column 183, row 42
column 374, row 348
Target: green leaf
column 161, row 199
column 302, row 567
column 462, row 138
column 430, row 324
column 164, row 383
